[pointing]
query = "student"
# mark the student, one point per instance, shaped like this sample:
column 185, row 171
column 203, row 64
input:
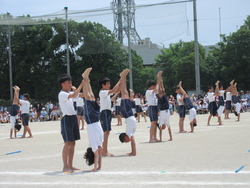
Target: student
column 93, row 154
column 236, row 101
column 163, row 106
column 152, row 109
column 181, row 110
column 25, row 106
column 127, row 113
column 13, row 113
column 138, row 108
column 228, row 100
column 220, row 93
column 117, row 102
column 189, row 106
column 69, row 126
column 212, row 104
column 105, row 115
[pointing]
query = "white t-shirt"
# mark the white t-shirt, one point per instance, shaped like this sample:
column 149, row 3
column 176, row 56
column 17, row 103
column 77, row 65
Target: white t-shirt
column 130, row 126
column 151, row 98
column 118, row 102
column 179, row 96
column 66, row 103
column 105, row 101
column 25, row 107
column 222, row 93
column 137, row 101
column 210, row 96
column 228, row 96
column 79, row 101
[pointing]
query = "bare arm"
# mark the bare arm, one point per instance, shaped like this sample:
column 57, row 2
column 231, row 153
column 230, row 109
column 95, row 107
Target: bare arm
column 115, row 88
column 76, row 92
column 114, row 97
column 133, row 146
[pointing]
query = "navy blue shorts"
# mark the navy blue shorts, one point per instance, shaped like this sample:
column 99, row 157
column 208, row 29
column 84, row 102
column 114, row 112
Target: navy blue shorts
column 221, row 101
column 25, row 119
column 182, row 111
column 105, row 119
column 188, row 103
column 163, row 102
column 126, row 108
column 138, row 108
column 228, row 105
column 213, row 108
column 92, row 111
column 117, row 110
column 234, row 99
column 153, row 113
column 69, row 128
column 14, row 110
column 80, row 110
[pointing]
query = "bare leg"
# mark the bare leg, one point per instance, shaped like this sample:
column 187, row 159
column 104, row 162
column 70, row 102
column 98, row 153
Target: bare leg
column 217, row 92
column 209, row 118
column 170, row 134
column 181, row 126
column 161, row 90
column 105, row 145
column 65, row 156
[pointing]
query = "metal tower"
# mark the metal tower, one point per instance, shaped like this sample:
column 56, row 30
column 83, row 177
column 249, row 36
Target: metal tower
column 124, row 20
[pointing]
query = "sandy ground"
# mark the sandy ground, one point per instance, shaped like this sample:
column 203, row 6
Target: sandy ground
column 206, row 158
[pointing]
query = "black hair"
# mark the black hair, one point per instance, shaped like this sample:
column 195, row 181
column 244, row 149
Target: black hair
column 209, row 87
column 26, row 95
column 176, row 87
column 17, row 126
column 89, row 156
column 103, row 81
column 63, row 78
column 122, row 137
column 151, row 83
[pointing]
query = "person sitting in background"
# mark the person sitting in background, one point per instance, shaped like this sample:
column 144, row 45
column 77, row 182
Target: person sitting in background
column 205, row 107
column 55, row 113
column 32, row 115
column 43, row 115
column 199, row 108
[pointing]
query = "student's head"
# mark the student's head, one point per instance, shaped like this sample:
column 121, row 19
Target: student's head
column 26, row 96
column 89, row 156
column 124, row 137
column 151, row 84
column 43, row 109
column 162, row 127
column 221, row 87
column 104, row 83
column 18, row 127
column 210, row 88
column 177, row 89
column 65, row 82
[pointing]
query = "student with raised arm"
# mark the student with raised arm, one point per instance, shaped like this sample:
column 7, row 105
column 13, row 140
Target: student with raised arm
column 189, row 106
column 14, row 112
column 69, row 125
column 152, row 109
column 25, row 110
column 105, row 104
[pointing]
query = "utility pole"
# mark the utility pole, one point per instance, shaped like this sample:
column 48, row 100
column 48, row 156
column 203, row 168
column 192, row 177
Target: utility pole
column 10, row 62
column 129, row 47
column 220, row 24
column 67, row 40
column 196, row 49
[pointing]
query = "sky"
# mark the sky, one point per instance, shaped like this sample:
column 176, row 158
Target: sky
column 233, row 14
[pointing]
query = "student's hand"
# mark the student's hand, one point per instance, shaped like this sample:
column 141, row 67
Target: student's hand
column 73, row 88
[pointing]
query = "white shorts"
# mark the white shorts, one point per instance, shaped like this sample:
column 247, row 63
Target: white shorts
column 95, row 134
column 130, row 126
column 237, row 107
column 164, row 118
column 12, row 121
column 192, row 114
column 220, row 110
